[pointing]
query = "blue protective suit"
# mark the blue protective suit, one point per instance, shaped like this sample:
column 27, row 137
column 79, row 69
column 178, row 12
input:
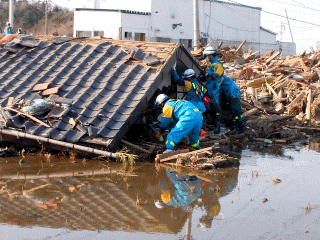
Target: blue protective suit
column 188, row 121
column 219, row 85
column 187, row 189
column 195, row 91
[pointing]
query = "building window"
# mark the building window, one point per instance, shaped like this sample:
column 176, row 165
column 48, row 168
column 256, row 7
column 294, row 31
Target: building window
column 139, row 36
column 128, row 35
column 98, row 33
column 186, row 42
column 83, row 34
column 162, row 39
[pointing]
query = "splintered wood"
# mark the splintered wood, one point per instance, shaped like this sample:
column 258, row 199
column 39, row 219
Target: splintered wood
column 202, row 159
column 271, row 84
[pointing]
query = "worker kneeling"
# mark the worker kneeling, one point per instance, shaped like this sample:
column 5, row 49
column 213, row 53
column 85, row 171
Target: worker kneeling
column 187, row 118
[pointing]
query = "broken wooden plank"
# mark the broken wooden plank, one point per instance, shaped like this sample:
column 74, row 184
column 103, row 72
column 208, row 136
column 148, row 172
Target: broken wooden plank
column 275, row 95
column 213, row 142
column 251, row 112
column 308, row 108
column 303, row 65
column 193, row 153
column 297, row 99
column 220, row 45
column 10, row 101
column 266, row 54
column 136, row 147
column 277, row 54
column 27, row 115
column 240, row 46
column 256, row 83
column 166, row 155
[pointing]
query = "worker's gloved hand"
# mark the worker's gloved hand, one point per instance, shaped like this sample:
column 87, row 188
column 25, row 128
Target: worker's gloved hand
column 159, row 136
column 174, row 67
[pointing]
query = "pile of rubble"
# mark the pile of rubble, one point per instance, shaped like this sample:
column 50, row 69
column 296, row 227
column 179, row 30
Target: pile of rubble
column 279, row 95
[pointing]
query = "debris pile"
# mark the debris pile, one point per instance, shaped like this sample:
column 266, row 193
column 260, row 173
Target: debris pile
column 279, row 95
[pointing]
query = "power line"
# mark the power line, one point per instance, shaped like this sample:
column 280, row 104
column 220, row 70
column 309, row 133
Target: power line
column 245, row 30
column 299, row 6
column 305, row 6
column 282, row 16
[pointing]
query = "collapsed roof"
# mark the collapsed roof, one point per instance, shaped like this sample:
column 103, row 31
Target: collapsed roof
column 98, row 86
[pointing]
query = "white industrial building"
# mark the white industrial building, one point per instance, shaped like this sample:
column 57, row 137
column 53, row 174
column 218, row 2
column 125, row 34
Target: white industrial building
column 173, row 21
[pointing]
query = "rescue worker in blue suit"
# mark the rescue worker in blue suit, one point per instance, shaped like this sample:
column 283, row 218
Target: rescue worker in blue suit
column 187, row 121
column 194, row 90
column 186, row 190
column 220, row 86
column 8, row 29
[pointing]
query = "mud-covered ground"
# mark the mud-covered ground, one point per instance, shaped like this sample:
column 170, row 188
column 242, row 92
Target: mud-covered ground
column 272, row 194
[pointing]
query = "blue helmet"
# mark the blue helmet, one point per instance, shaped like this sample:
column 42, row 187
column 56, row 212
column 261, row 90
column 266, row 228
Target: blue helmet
column 188, row 73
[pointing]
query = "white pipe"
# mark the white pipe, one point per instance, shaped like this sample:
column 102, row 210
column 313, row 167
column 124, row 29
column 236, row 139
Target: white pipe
column 196, row 40
column 11, row 12
column 58, row 143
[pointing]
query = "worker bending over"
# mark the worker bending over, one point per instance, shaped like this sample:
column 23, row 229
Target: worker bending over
column 219, row 87
column 187, row 120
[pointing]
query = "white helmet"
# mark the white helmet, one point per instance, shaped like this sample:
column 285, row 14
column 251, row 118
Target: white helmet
column 158, row 204
column 209, row 51
column 160, row 99
column 189, row 73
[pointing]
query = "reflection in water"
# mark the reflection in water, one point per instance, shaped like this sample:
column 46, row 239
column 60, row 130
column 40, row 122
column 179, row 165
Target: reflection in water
column 100, row 196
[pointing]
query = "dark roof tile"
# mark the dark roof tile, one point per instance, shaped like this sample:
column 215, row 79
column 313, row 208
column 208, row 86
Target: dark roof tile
column 73, row 136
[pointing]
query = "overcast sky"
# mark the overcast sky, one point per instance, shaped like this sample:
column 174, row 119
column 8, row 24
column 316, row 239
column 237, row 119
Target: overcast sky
column 305, row 32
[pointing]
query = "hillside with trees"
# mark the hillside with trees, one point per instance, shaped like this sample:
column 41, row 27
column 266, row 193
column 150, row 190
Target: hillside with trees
column 30, row 16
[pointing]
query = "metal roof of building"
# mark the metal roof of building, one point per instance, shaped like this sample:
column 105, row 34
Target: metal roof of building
column 113, row 10
column 104, row 86
column 269, row 31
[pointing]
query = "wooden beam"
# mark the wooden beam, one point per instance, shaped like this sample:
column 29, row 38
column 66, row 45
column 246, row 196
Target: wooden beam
column 297, row 99
column 27, row 115
column 240, row 46
column 277, row 54
column 308, row 108
column 136, row 147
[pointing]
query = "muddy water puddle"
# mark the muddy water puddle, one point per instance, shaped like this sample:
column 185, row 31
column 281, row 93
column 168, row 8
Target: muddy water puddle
column 272, row 194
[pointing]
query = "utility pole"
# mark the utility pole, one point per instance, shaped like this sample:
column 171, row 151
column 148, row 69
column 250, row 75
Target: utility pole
column 46, row 17
column 196, row 37
column 282, row 27
column 289, row 25
column 11, row 12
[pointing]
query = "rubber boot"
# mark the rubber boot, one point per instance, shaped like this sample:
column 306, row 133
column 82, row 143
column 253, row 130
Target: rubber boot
column 217, row 124
column 239, row 126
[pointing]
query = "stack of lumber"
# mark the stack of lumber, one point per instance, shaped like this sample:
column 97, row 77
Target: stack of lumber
column 206, row 158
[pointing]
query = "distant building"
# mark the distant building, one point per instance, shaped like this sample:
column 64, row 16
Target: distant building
column 172, row 21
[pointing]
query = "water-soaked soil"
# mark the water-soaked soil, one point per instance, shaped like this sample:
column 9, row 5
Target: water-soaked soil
column 272, row 194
